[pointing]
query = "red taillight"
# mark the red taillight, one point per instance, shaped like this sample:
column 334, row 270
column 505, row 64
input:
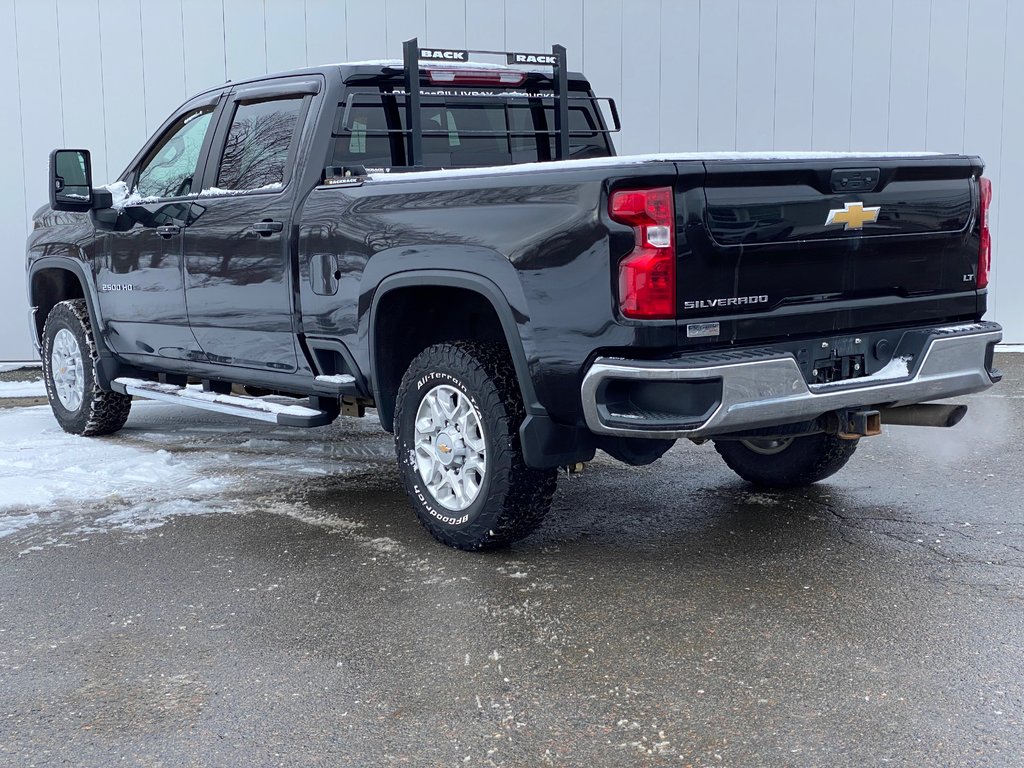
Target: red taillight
column 488, row 77
column 985, row 252
column 647, row 276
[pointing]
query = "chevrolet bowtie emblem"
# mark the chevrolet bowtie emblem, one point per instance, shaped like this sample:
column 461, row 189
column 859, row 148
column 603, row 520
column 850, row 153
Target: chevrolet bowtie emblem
column 854, row 216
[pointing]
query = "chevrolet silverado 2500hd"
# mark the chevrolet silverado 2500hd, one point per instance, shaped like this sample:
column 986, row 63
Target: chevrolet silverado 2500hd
column 458, row 246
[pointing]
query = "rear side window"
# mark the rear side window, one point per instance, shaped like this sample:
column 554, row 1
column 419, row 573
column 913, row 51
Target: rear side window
column 259, row 142
column 584, row 141
column 472, row 132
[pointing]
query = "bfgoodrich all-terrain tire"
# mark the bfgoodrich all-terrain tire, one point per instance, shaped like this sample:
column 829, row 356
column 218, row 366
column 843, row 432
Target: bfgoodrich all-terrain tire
column 69, row 369
column 789, row 463
column 457, row 422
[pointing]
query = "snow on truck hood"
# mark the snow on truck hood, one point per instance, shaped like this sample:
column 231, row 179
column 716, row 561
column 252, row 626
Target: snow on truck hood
column 671, row 157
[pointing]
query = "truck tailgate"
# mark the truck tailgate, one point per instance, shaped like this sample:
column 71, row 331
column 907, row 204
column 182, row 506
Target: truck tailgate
column 802, row 239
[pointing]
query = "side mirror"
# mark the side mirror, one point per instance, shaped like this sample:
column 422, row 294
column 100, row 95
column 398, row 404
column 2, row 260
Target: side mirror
column 71, row 180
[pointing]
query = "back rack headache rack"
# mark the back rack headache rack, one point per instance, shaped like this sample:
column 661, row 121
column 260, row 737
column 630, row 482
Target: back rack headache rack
column 412, row 54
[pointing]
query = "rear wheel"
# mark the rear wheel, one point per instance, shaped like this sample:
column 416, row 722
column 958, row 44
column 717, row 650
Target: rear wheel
column 790, row 462
column 69, row 370
column 457, row 422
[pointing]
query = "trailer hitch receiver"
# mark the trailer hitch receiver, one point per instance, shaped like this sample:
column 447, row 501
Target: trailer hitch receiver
column 853, row 425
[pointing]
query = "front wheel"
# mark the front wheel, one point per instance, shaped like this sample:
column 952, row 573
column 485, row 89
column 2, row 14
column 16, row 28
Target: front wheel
column 792, row 462
column 457, row 420
column 80, row 406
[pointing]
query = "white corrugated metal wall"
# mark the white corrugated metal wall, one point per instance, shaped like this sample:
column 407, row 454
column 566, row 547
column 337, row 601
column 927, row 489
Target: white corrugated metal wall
column 688, row 75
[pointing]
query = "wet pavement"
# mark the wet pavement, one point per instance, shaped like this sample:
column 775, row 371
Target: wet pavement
column 665, row 615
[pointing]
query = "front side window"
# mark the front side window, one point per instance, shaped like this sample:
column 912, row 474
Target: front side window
column 169, row 168
column 256, row 152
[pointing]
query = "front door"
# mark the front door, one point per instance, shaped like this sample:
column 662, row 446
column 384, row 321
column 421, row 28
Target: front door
column 139, row 267
column 238, row 264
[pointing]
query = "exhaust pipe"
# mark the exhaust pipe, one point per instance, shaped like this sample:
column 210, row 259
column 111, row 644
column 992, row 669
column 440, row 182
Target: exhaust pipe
column 924, row 415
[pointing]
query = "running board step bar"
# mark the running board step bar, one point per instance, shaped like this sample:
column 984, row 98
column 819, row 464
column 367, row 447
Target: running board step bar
column 234, row 405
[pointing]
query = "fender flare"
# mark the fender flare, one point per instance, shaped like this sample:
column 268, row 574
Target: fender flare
column 77, row 268
column 107, row 366
column 545, row 444
column 449, row 278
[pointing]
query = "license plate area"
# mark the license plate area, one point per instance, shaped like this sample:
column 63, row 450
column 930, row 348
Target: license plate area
column 837, row 367
column 845, row 358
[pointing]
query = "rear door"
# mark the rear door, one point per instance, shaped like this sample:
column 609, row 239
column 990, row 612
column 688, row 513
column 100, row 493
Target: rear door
column 830, row 244
column 238, row 264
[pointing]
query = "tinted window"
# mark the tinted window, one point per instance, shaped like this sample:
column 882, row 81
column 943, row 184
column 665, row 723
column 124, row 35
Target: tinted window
column 451, row 135
column 169, row 168
column 461, row 135
column 585, row 140
column 256, row 152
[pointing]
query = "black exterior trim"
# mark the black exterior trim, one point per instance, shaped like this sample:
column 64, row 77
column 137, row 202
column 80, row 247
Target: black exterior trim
column 88, row 290
column 545, row 443
column 452, row 279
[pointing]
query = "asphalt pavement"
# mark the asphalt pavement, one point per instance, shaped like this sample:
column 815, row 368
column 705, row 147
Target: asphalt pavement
column 665, row 615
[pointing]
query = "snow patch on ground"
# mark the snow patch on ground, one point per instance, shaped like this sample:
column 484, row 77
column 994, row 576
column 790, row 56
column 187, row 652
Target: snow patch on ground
column 146, row 517
column 13, row 523
column 759, row 499
column 167, row 463
column 16, row 366
column 385, row 545
column 34, row 388
column 43, row 466
column 22, row 388
column 262, row 444
column 304, row 514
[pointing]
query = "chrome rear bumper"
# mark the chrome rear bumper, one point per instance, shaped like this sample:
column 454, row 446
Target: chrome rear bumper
column 762, row 388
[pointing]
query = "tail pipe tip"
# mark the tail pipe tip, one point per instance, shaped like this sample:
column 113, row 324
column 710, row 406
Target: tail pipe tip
column 925, row 415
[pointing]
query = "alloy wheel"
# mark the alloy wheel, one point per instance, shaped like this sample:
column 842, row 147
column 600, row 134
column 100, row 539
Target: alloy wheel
column 451, row 453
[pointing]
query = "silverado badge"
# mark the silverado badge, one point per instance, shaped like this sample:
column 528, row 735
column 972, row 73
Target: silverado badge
column 854, row 216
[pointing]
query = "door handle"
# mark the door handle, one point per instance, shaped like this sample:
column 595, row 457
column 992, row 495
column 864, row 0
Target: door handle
column 267, row 227
column 168, row 231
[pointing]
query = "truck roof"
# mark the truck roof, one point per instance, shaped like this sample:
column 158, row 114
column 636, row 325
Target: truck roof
column 395, row 68
column 439, row 68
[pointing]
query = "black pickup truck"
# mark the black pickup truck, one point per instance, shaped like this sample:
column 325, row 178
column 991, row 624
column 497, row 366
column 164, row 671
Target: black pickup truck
column 457, row 246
